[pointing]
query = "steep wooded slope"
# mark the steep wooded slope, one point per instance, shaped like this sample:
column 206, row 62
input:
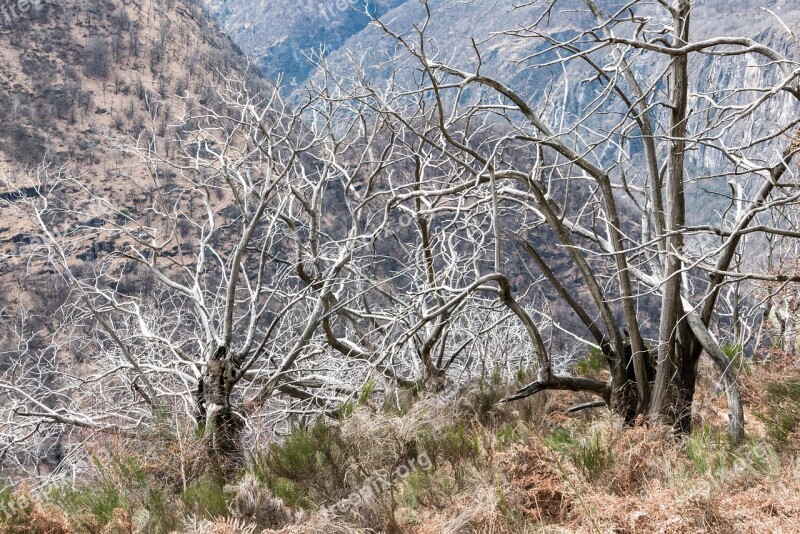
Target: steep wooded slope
column 75, row 73
column 78, row 79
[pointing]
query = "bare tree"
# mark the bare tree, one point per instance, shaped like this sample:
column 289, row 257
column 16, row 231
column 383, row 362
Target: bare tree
column 605, row 170
column 270, row 261
column 419, row 224
column 231, row 310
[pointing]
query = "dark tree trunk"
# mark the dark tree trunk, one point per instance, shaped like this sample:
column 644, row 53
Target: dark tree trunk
column 679, row 396
column 222, row 424
column 685, row 397
column 625, row 400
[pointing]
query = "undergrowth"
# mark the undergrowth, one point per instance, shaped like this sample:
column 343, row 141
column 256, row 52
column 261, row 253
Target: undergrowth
column 433, row 466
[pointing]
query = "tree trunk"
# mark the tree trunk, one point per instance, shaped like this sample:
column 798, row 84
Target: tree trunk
column 727, row 374
column 665, row 398
column 222, row 425
column 685, row 383
column 790, row 327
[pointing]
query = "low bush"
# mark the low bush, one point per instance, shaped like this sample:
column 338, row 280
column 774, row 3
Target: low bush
column 780, row 412
column 313, row 460
column 592, row 364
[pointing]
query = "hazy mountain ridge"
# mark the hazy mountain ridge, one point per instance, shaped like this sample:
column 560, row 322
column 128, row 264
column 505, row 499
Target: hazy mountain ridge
column 278, row 34
column 504, row 53
column 497, row 28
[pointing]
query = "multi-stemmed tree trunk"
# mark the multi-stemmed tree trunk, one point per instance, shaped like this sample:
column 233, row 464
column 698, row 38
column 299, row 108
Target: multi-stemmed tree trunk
column 675, row 377
column 651, row 73
column 222, row 424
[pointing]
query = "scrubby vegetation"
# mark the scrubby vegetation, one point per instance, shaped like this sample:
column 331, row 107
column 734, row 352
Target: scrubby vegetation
column 471, row 465
column 245, row 311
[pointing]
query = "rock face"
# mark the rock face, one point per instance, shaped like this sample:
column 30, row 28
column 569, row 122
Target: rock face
column 278, row 34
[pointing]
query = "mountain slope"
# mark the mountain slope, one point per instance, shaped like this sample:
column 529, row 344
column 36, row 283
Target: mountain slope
column 78, row 78
column 73, row 73
column 513, row 55
column 496, row 26
column 279, row 33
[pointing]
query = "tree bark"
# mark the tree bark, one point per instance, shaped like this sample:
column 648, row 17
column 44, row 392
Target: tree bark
column 664, row 399
column 222, row 425
column 728, row 376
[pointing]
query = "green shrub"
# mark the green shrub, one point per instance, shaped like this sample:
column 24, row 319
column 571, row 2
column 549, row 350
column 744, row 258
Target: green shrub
column 346, row 410
column 457, row 445
column 161, row 512
column 781, row 412
column 289, row 493
column 524, row 375
column 367, row 390
column 779, row 427
column 123, row 482
column 281, row 487
column 416, row 485
column 559, row 439
column 710, row 451
column 509, row 434
column 314, row 459
column 485, row 397
column 591, row 364
column 98, row 500
column 758, row 460
column 593, row 456
column 205, row 497
column 13, row 505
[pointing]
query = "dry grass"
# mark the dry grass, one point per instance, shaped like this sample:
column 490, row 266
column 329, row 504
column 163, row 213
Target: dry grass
column 515, row 470
column 534, row 483
column 655, row 483
column 38, row 519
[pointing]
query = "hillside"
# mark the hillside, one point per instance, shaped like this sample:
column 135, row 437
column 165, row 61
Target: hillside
column 76, row 73
column 78, row 79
